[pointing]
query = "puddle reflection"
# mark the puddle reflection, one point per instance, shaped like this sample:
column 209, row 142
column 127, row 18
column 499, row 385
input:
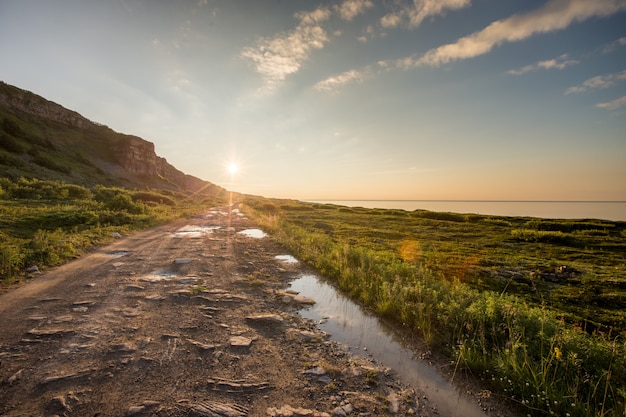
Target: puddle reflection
column 254, row 233
column 288, row 259
column 347, row 323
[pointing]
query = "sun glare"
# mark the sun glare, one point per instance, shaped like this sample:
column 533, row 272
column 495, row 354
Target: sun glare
column 233, row 168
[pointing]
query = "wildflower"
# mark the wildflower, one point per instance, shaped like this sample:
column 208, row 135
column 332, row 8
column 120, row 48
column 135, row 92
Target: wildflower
column 558, row 353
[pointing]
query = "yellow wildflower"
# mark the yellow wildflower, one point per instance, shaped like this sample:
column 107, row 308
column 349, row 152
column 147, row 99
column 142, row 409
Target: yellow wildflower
column 558, row 353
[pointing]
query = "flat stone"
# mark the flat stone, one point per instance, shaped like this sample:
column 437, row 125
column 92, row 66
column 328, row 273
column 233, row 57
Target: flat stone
column 62, row 319
column 122, row 348
column 134, row 410
column 305, row 335
column 134, row 288
column 317, row 371
column 182, row 261
column 202, row 346
column 301, row 299
column 215, row 409
column 240, row 341
column 50, row 332
column 267, row 319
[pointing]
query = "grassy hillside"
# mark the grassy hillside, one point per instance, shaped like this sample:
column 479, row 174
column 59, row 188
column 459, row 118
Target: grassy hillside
column 41, row 139
column 533, row 307
column 67, row 184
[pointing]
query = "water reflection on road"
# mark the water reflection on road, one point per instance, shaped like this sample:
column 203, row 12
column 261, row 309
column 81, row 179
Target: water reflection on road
column 365, row 335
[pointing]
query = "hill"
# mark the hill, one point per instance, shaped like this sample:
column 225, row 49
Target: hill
column 44, row 140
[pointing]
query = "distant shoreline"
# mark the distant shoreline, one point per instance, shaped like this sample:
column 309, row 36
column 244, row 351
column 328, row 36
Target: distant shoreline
column 550, row 209
column 474, row 201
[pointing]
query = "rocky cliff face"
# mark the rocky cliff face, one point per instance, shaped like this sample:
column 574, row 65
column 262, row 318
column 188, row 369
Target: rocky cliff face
column 28, row 102
column 135, row 158
column 138, row 158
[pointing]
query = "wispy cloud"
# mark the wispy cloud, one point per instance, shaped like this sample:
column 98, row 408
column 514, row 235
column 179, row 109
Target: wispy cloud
column 333, row 83
column 554, row 15
column 615, row 45
column 613, row 105
column 598, row 82
column 413, row 15
column 350, row 9
column 559, row 63
column 277, row 57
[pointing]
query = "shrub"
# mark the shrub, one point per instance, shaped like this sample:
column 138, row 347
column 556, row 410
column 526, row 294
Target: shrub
column 12, row 127
column 529, row 235
column 11, row 257
column 11, row 144
column 47, row 162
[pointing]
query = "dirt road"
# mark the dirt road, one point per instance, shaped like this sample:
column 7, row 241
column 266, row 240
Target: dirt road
column 185, row 319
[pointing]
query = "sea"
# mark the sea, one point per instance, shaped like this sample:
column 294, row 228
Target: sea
column 604, row 210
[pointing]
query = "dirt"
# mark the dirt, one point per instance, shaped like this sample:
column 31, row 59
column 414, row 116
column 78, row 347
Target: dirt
column 187, row 319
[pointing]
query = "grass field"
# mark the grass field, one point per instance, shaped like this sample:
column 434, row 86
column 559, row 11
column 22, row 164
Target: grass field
column 45, row 223
column 533, row 307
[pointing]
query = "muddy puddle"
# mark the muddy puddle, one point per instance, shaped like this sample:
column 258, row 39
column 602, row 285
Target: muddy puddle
column 253, row 233
column 365, row 335
column 288, row 259
column 195, row 231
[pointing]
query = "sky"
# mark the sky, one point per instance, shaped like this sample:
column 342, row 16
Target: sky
column 346, row 99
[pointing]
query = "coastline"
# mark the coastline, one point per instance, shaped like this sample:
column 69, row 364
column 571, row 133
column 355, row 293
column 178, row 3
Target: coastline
column 556, row 209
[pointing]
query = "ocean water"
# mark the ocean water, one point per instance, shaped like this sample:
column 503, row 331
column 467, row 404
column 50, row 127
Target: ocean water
column 605, row 210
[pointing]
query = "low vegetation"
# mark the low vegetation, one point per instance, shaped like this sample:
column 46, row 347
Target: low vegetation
column 45, row 222
column 535, row 308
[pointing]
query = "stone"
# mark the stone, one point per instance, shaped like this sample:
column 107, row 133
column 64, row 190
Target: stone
column 134, row 410
column 215, row 409
column 58, row 406
column 182, row 261
column 202, row 346
column 288, row 411
column 394, row 403
column 317, row 371
column 15, row 377
column 32, row 270
column 266, row 319
column 240, row 341
column 301, row 299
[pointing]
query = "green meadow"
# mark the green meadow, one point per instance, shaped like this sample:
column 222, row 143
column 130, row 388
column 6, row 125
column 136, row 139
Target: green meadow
column 46, row 223
column 532, row 307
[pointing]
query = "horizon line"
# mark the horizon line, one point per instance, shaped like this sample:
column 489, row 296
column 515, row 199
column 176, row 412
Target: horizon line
column 462, row 201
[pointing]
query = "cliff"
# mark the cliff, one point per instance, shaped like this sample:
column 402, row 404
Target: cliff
column 76, row 146
column 27, row 102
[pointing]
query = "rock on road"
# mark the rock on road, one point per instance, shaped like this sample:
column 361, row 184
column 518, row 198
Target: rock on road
column 190, row 318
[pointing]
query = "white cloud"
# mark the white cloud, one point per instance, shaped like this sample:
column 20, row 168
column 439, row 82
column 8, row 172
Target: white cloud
column 554, row 15
column 413, row 15
column 349, row 9
column 277, row 57
column 333, row 83
column 613, row 105
column 557, row 63
column 598, row 82
column 314, row 17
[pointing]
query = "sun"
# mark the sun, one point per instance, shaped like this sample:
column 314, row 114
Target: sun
column 233, row 168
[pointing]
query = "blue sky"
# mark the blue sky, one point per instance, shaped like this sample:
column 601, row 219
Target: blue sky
column 351, row 99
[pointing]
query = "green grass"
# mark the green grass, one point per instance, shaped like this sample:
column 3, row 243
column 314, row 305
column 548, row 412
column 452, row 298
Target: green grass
column 533, row 307
column 47, row 223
